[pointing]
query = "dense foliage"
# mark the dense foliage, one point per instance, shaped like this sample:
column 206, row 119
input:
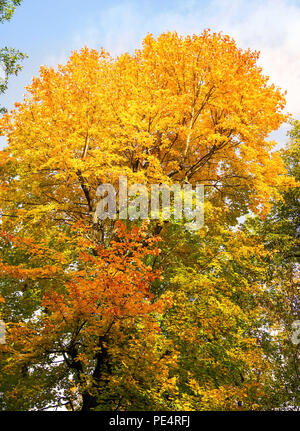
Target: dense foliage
column 110, row 315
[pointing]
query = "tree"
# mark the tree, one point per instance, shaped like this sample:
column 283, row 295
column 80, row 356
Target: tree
column 9, row 57
column 280, row 234
column 107, row 315
column 7, row 9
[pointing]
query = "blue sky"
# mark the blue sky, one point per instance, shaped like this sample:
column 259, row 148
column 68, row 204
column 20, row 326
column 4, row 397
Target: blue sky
column 48, row 30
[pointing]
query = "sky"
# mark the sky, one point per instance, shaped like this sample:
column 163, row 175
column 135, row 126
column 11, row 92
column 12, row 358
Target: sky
column 48, row 30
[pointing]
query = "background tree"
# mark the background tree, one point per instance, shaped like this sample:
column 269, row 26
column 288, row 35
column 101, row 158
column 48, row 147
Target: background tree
column 9, row 57
column 280, row 234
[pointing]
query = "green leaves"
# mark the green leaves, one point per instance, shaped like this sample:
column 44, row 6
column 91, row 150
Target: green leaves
column 9, row 57
column 7, row 9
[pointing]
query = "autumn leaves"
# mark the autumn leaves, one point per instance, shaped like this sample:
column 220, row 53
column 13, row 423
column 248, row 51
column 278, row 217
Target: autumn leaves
column 137, row 315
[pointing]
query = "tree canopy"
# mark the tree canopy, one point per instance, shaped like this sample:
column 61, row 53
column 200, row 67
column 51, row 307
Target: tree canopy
column 108, row 315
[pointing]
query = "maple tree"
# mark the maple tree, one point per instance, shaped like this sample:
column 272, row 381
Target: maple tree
column 108, row 315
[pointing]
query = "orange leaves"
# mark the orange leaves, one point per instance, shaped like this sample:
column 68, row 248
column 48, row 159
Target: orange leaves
column 18, row 272
column 116, row 276
column 99, row 293
column 109, row 283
